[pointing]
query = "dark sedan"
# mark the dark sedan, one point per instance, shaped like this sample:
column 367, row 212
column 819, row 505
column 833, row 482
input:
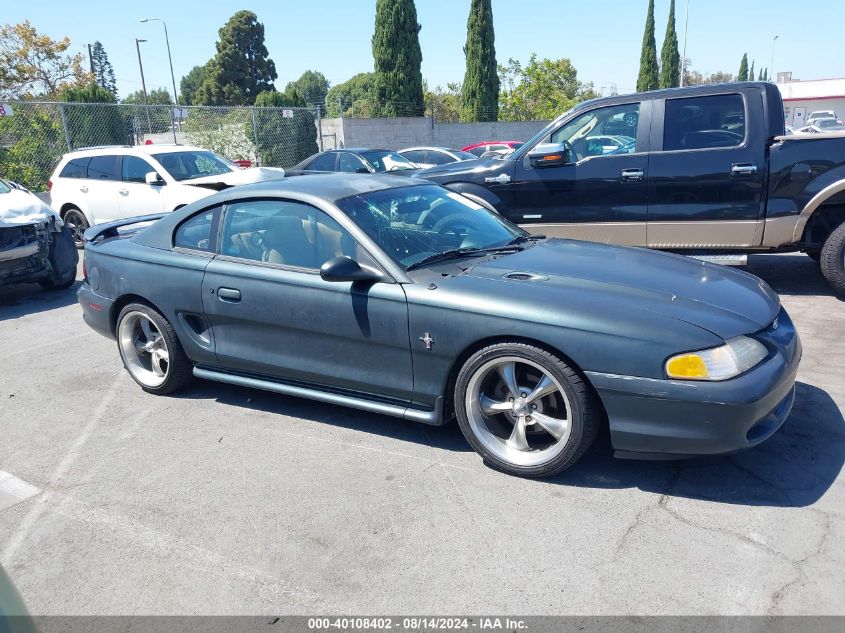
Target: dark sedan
column 403, row 298
column 355, row 160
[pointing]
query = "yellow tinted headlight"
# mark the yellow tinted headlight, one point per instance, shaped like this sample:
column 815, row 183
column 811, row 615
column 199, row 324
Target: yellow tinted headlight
column 720, row 363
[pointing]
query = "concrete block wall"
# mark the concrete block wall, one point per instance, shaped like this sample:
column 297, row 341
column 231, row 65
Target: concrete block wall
column 396, row 133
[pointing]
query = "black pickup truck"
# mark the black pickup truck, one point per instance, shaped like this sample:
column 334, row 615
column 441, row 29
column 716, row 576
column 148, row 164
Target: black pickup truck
column 705, row 170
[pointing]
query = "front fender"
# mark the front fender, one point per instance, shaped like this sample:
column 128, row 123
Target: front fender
column 479, row 194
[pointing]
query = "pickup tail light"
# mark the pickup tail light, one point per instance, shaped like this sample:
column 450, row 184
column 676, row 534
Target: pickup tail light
column 84, row 267
column 49, row 185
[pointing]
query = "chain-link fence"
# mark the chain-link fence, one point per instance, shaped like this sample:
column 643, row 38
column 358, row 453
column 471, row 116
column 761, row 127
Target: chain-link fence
column 34, row 135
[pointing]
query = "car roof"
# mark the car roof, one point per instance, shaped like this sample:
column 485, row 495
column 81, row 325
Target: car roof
column 359, row 149
column 135, row 150
column 330, row 186
column 428, row 147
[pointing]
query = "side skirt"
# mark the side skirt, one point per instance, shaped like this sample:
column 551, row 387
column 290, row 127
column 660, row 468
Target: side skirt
column 433, row 417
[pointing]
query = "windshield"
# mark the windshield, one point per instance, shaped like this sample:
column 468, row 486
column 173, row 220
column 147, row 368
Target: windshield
column 4, row 188
column 828, row 123
column 194, row 164
column 462, row 155
column 387, row 161
column 415, row 223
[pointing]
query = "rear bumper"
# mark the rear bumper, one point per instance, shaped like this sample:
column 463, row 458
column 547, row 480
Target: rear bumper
column 96, row 310
column 662, row 419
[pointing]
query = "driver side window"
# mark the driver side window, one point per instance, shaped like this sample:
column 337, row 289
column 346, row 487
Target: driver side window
column 602, row 132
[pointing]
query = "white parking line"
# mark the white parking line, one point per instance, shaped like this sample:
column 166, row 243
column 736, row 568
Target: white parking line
column 14, row 490
column 50, row 344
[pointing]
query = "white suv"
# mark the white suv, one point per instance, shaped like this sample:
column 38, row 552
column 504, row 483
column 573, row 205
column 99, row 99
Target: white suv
column 103, row 184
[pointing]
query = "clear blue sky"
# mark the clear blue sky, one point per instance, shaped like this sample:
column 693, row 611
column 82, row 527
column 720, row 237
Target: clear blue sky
column 602, row 37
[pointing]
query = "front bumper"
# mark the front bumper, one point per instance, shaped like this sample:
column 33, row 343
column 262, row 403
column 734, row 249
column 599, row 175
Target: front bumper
column 24, row 253
column 96, row 310
column 664, row 419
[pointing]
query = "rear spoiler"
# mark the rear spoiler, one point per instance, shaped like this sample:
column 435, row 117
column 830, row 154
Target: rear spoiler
column 110, row 229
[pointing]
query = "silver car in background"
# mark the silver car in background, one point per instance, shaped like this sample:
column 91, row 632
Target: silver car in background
column 426, row 157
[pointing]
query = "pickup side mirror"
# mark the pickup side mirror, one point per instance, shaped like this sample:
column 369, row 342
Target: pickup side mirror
column 362, row 170
column 345, row 268
column 152, row 178
column 550, row 155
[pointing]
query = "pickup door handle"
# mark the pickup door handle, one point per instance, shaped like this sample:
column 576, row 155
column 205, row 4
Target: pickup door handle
column 229, row 295
column 83, row 189
column 123, row 192
column 743, row 169
column 632, row 175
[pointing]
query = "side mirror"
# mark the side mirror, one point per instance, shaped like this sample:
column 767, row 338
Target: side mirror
column 550, row 155
column 152, row 178
column 362, row 170
column 345, row 268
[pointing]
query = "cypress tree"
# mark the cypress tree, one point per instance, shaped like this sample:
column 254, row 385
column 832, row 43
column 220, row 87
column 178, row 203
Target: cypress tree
column 648, row 79
column 751, row 72
column 102, row 68
column 480, row 92
column 743, row 69
column 397, row 86
column 670, row 72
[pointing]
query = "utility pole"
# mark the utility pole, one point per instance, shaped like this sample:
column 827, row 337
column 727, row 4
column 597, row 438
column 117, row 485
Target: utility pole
column 169, row 56
column 772, row 71
column 144, row 84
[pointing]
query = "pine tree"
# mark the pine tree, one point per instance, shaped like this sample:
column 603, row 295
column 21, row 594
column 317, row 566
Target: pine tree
column 670, row 72
column 102, row 69
column 743, row 69
column 751, row 72
column 648, row 79
column 398, row 85
column 480, row 91
column 765, row 75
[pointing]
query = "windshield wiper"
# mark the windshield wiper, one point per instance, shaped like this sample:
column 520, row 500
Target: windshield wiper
column 521, row 239
column 462, row 252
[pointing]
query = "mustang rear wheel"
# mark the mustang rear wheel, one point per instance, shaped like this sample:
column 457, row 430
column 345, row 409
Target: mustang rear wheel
column 150, row 350
column 524, row 410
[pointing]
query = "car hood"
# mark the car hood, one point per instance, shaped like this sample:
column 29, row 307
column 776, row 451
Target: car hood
column 20, row 207
column 479, row 166
column 238, row 177
column 725, row 302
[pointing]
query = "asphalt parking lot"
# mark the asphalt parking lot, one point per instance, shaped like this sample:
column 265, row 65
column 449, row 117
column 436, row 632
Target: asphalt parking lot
column 226, row 500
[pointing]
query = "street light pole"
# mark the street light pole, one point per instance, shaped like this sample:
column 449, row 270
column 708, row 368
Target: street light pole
column 774, row 40
column 144, row 84
column 684, row 56
column 169, row 56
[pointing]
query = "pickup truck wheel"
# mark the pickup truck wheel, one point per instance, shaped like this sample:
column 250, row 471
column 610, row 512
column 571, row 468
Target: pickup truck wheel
column 524, row 410
column 833, row 259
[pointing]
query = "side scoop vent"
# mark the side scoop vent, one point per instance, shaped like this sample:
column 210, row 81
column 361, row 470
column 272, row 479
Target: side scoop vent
column 524, row 276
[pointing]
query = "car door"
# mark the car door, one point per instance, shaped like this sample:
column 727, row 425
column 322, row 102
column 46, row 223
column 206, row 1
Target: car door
column 707, row 172
column 272, row 314
column 136, row 197
column 100, row 188
column 597, row 195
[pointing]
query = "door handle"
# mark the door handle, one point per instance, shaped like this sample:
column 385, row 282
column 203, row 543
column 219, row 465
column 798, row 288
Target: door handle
column 123, row 192
column 83, row 189
column 632, row 175
column 229, row 295
column 501, row 179
column 743, row 169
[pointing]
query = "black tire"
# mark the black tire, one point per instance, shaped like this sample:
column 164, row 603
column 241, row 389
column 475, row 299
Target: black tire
column 583, row 408
column 832, row 260
column 77, row 223
column 179, row 370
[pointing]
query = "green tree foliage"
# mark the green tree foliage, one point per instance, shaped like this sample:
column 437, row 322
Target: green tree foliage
column 670, row 69
column 444, row 105
column 695, row 78
column 648, row 78
column 541, row 90
column 102, row 68
column 765, row 75
column 312, row 86
column 242, row 68
column 352, row 98
column 93, row 118
column 32, row 144
column 398, row 88
column 751, row 72
column 191, row 82
column 283, row 141
column 33, row 65
column 480, row 91
column 157, row 96
column 743, row 69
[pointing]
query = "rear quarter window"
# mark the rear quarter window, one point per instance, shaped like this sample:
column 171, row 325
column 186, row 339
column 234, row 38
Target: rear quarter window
column 704, row 122
column 197, row 232
column 75, row 168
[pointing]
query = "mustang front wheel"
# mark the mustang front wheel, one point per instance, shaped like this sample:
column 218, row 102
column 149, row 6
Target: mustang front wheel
column 150, row 350
column 524, row 410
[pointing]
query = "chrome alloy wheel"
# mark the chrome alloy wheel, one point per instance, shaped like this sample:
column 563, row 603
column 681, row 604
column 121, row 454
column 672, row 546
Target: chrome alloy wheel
column 144, row 349
column 518, row 411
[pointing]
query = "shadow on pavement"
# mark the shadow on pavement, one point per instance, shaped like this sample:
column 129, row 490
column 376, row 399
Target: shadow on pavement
column 18, row 300
column 794, row 468
column 794, row 274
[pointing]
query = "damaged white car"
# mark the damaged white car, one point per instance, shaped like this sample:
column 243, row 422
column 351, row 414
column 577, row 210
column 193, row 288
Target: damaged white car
column 103, row 184
column 35, row 245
